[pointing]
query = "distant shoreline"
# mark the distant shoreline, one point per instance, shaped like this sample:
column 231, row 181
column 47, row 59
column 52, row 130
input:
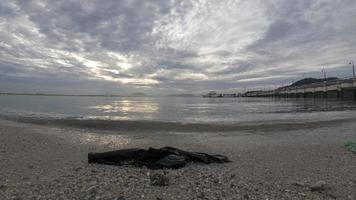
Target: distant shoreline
column 91, row 95
column 70, row 95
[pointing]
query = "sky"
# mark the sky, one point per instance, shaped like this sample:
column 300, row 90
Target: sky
column 171, row 46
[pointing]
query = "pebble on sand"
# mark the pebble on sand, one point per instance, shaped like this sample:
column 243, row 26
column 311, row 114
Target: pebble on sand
column 159, row 179
column 319, row 186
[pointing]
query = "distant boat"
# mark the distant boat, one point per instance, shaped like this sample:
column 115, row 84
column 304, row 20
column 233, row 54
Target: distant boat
column 212, row 94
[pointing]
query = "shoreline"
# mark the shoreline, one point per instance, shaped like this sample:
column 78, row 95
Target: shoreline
column 42, row 162
column 151, row 125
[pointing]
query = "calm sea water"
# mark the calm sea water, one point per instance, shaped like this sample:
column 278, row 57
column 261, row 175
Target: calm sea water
column 178, row 109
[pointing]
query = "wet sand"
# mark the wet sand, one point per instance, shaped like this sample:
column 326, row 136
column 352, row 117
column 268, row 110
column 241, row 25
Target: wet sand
column 46, row 162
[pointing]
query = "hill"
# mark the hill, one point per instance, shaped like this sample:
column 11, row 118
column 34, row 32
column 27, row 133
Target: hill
column 306, row 81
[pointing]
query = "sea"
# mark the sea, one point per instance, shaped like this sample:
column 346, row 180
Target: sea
column 185, row 110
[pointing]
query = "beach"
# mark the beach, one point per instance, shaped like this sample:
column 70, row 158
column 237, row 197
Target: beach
column 50, row 162
column 177, row 100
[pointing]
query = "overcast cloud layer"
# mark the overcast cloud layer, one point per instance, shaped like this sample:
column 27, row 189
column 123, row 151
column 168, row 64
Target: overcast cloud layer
column 170, row 46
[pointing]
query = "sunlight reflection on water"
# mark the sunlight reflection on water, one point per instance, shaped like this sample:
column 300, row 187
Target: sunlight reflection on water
column 128, row 107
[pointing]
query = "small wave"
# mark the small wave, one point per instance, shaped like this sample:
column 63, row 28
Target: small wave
column 143, row 125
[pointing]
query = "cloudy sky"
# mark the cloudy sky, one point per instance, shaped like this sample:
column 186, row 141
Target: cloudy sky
column 171, row 46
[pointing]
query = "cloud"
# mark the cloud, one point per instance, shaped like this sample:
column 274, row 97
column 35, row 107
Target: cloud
column 170, row 45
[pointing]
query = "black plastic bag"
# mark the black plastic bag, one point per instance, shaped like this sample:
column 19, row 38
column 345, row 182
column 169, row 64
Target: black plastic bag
column 166, row 157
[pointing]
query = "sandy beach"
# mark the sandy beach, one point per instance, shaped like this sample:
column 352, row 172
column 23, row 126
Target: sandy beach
column 201, row 99
column 50, row 162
